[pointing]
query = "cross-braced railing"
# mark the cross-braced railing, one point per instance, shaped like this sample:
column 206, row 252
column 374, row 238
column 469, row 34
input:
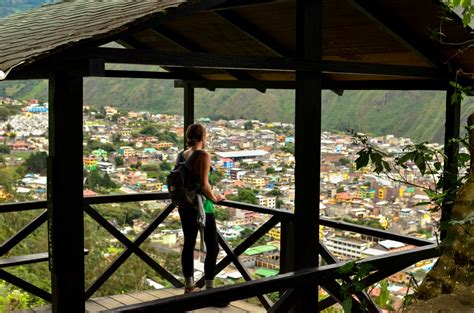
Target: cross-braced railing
column 287, row 282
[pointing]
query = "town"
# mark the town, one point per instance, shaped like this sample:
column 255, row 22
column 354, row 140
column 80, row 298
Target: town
column 132, row 152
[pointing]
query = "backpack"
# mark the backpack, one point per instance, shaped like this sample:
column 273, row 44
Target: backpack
column 182, row 182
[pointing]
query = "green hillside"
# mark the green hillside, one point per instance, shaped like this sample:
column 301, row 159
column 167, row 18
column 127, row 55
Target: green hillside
column 415, row 114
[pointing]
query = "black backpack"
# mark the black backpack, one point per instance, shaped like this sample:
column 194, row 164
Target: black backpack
column 182, row 182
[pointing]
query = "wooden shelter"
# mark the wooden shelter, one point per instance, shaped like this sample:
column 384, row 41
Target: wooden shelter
column 305, row 45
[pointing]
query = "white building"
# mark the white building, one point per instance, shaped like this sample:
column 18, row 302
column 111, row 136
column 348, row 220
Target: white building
column 345, row 248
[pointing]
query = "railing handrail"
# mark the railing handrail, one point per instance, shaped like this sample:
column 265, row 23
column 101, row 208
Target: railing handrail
column 285, row 215
column 379, row 233
column 280, row 282
column 22, row 206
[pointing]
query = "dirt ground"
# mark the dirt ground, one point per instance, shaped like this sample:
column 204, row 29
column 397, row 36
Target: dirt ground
column 460, row 301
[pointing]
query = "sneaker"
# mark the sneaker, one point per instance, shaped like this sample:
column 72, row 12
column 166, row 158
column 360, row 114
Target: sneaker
column 191, row 289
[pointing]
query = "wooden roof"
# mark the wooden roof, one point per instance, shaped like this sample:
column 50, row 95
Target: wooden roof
column 395, row 33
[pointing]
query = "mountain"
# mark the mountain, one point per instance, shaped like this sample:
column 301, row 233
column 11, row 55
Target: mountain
column 415, row 114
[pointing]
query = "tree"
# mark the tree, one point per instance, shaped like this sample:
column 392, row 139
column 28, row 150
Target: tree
column 215, row 177
column 37, row 162
column 453, row 268
column 4, row 149
column 4, row 114
column 248, row 125
column 247, row 195
column 118, row 161
column 149, row 131
column 165, row 166
column 222, row 214
column 270, row 170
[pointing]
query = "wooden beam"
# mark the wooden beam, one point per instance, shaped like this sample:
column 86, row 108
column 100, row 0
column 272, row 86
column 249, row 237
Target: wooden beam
column 188, row 102
column 207, row 60
column 407, row 84
column 141, row 74
column 131, row 43
column 65, row 195
column 237, row 4
column 190, row 46
column 253, row 32
column 403, row 35
column 308, row 102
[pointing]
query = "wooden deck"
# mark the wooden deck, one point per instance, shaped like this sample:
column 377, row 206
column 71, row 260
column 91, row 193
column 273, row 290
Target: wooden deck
column 113, row 302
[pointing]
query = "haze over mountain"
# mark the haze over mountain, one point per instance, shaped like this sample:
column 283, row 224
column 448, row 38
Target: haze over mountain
column 415, row 114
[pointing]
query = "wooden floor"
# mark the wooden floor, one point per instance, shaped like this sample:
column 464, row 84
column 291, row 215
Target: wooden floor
column 113, row 302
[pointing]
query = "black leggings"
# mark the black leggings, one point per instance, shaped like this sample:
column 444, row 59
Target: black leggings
column 190, row 231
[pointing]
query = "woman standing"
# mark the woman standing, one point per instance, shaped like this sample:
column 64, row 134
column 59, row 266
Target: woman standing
column 201, row 164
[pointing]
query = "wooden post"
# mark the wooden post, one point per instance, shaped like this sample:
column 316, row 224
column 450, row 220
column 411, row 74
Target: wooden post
column 188, row 108
column 308, row 145
column 452, row 130
column 65, row 195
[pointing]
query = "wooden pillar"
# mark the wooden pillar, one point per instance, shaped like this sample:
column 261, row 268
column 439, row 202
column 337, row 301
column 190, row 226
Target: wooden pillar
column 188, row 107
column 65, row 195
column 452, row 130
column 308, row 145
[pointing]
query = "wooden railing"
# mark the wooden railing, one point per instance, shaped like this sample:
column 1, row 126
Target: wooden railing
column 288, row 282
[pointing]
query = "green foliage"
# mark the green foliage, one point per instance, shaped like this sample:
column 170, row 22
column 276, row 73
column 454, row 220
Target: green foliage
column 149, row 131
column 290, row 148
column 4, row 149
column 245, row 195
column 215, row 177
column 359, row 273
column 274, row 193
column 118, row 160
column 37, row 163
column 97, row 181
column 270, row 170
column 222, row 214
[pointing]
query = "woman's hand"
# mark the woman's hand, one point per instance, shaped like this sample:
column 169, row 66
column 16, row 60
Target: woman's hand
column 219, row 198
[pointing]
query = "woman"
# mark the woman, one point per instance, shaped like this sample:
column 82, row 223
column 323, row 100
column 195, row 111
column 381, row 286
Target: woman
column 201, row 164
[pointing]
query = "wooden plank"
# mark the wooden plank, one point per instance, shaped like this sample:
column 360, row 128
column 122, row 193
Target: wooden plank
column 393, row 26
column 126, row 299
column 165, row 293
column 248, row 307
column 108, row 302
column 143, row 296
column 92, row 306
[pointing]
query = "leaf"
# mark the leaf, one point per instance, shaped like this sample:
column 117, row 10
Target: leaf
column 420, row 162
column 346, row 268
column 362, row 160
column 464, row 157
column 386, row 166
column 423, row 203
column 404, row 158
column 437, row 165
column 364, row 269
column 347, row 304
